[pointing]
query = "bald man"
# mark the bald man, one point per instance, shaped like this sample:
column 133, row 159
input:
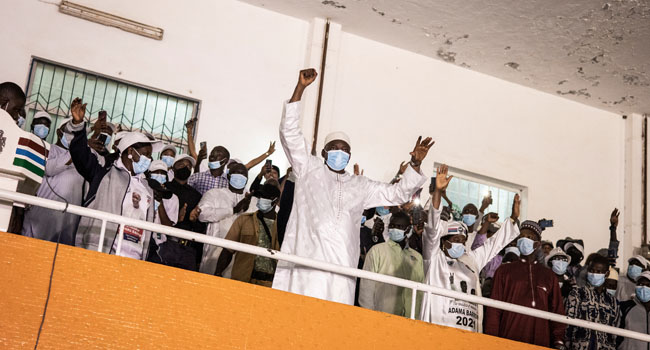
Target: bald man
column 328, row 205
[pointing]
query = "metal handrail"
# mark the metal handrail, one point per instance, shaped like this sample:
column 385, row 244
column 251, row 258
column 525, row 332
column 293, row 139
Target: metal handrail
column 316, row 264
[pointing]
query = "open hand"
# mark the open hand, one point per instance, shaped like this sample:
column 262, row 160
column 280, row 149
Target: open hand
column 516, row 204
column 78, row 111
column 613, row 219
column 271, row 148
column 442, row 180
column 421, row 149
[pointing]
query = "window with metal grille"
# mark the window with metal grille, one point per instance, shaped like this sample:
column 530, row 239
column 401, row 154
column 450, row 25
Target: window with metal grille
column 467, row 187
column 53, row 86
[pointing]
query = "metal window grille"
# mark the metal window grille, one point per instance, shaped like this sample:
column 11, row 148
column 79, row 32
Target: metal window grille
column 53, row 86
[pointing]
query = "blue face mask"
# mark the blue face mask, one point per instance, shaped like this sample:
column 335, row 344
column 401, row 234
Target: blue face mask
column 643, row 293
column 634, row 272
column 65, row 142
column 469, row 219
column 596, row 279
column 382, row 211
column 214, row 165
column 168, row 160
column 559, row 266
column 513, row 250
column 238, row 181
column 363, row 219
column 456, row 251
column 337, row 160
column 611, row 292
column 142, row 164
column 41, row 131
column 265, row 205
column 526, row 246
column 20, row 122
column 396, row 235
column 159, row 177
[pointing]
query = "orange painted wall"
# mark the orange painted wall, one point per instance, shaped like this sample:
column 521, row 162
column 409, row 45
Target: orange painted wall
column 100, row 301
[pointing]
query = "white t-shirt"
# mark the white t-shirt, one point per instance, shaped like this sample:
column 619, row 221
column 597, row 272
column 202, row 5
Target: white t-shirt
column 171, row 207
column 136, row 204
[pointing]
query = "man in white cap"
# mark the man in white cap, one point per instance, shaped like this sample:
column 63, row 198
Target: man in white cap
column 120, row 188
column 61, row 183
column 448, row 264
column 41, row 124
column 328, row 205
column 167, row 155
column 626, row 284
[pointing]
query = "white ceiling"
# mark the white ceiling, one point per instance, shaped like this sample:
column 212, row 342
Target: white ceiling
column 593, row 52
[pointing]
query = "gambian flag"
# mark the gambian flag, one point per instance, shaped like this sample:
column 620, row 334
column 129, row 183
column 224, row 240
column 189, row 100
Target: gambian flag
column 31, row 156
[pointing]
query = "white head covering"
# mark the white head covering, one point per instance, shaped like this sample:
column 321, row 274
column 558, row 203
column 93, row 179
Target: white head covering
column 640, row 259
column 166, row 147
column 131, row 138
column 337, row 135
column 42, row 114
column 555, row 252
column 576, row 245
column 158, row 165
column 185, row 156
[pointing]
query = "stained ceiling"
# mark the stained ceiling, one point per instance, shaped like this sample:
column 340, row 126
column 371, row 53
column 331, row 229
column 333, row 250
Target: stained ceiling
column 593, row 52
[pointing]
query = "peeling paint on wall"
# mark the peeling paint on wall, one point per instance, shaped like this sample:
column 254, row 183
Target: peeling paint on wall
column 581, row 92
column 333, row 4
column 513, row 65
column 377, row 11
column 447, row 56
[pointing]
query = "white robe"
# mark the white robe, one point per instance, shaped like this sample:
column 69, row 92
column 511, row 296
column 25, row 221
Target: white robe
column 45, row 223
column 444, row 272
column 217, row 210
column 327, row 210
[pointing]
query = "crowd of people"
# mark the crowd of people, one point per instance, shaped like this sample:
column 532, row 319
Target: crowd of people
column 320, row 211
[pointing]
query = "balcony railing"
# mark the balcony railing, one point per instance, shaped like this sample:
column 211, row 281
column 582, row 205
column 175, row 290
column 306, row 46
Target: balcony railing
column 315, row 264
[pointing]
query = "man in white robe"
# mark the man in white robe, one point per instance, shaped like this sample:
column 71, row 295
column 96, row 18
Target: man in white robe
column 328, row 205
column 449, row 265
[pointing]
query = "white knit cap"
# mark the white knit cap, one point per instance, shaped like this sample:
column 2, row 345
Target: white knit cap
column 337, row 135
column 131, row 138
column 43, row 114
column 556, row 252
column 158, row 165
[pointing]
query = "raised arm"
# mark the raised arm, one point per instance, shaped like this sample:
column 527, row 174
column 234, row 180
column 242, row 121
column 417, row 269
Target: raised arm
column 493, row 245
column 612, row 250
column 291, row 137
column 191, row 147
column 263, row 156
column 435, row 227
column 83, row 159
column 383, row 194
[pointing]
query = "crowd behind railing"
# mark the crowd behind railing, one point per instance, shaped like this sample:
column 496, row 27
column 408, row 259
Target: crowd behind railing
column 318, row 210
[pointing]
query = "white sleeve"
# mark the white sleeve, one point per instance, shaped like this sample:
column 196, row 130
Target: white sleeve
column 56, row 162
column 292, row 140
column 433, row 230
column 493, row 245
column 384, row 194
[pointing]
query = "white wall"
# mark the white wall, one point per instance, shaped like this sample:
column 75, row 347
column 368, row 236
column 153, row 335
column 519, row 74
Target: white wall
column 239, row 60
column 570, row 156
column 242, row 62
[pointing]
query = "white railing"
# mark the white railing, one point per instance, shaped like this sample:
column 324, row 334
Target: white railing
column 316, row 264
